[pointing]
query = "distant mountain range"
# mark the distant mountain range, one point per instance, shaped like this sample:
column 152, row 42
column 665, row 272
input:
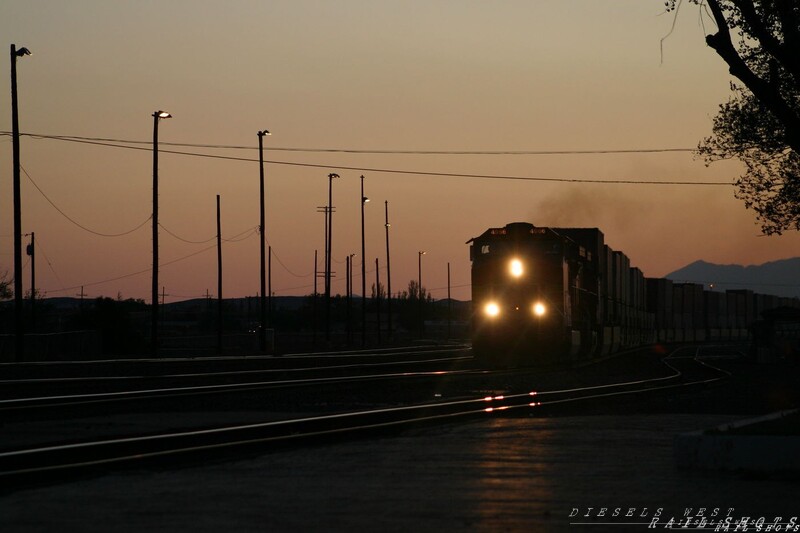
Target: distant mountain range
column 779, row 278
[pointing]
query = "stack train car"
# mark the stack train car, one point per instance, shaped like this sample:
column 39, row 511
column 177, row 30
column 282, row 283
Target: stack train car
column 544, row 295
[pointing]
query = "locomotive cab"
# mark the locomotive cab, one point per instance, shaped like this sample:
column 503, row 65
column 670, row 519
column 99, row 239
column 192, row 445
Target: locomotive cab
column 520, row 297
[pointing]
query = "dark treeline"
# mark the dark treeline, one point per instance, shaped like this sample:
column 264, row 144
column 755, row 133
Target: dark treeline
column 120, row 327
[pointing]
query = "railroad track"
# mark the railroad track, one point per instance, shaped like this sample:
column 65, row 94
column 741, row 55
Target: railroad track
column 121, row 369
column 36, row 464
column 23, row 391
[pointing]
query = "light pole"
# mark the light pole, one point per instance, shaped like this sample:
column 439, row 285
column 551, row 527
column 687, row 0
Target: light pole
column 157, row 116
column 262, row 336
column 331, row 177
column 419, row 293
column 364, row 200
column 19, row 332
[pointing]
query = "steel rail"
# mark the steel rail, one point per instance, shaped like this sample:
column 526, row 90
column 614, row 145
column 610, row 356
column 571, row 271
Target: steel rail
column 84, row 398
column 52, row 460
column 300, row 356
column 91, row 379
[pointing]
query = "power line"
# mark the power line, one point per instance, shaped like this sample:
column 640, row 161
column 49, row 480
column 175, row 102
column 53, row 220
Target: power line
column 132, row 274
column 365, row 151
column 284, row 265
column 47, row 260
column 241, row 236
column 139, row 272
column 160, row 225
column 412, row 172
column 73, row 221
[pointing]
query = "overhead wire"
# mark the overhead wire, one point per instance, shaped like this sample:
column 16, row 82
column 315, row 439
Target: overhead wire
column 47, row 260
column 361, row 150
column 241, row 236
column 287, row 269
column 115, row 144
column 237, row 238
column 160, row 225
column 125, row 144
column 81, row 226
column 143, row 271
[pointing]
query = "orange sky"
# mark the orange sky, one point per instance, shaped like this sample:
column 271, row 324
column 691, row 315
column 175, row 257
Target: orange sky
column 416, row 75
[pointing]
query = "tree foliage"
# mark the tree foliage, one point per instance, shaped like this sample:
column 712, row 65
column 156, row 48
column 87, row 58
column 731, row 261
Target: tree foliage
column 760, row 124
column 6, row 290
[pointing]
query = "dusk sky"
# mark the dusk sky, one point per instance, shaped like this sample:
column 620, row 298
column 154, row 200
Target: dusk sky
column 432, row 75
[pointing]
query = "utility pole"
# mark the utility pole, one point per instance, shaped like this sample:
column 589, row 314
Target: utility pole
column 31, row 252
column 449, row 302
column 347, row 300
column 419, row 292
column 378, row 297
column 324, row 210
column 219, row 280
column 19, row 324
column 82, row 310
column 314, row 300
column 331, row 177
column 388, row 275
column 269, row 288
column 350, row 283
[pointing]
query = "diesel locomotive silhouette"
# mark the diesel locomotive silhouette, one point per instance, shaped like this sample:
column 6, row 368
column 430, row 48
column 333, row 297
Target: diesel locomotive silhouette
column 552, row 295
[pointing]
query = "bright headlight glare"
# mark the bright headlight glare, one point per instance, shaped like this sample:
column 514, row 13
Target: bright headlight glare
column 515, row 268
column 491, row 309
column 539, row 309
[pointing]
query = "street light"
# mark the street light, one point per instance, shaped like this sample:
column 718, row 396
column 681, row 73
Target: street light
column 364, row 200
column 19, row 332
column 157, row 116
column 419, row 292
column 263, row 300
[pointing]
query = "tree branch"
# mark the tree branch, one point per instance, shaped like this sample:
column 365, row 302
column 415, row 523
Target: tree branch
column 787, row 57
column 790, row 25
column 767, row 92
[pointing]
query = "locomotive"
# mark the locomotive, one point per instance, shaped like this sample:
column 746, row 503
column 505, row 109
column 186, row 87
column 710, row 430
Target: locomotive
column 542, row 295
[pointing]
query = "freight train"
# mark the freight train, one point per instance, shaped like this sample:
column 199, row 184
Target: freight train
column 545, row 295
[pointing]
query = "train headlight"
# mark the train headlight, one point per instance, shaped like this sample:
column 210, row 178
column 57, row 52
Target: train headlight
column 515, row 268
column 491, row 310
column 539, row 309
